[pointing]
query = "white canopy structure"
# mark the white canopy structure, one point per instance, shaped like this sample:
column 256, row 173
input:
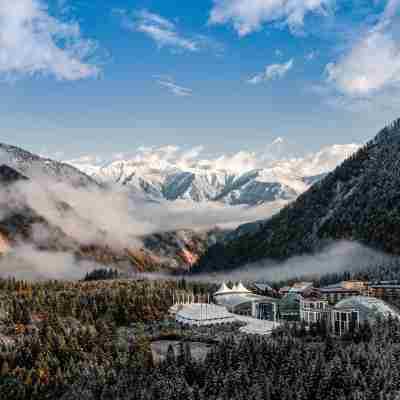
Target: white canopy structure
column 241, row 289
column 237, row 288
column 223, row 290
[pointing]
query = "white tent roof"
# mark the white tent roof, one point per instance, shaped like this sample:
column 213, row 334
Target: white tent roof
column 240, row 288
column 223, row 289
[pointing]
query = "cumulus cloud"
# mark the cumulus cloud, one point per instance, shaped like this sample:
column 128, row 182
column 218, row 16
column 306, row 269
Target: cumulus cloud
column 271, row 72
column 33, row 42
column 249, row 15
column 372, row 63
column 174, row 88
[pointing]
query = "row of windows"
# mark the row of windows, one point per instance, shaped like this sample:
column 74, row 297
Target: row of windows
column 343, row 321
column 313, row 316
column 320, row 305
column 335, row 297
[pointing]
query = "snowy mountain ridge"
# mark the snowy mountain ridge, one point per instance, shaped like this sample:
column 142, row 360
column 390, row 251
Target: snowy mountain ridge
column 32, row 165
column 244, row 178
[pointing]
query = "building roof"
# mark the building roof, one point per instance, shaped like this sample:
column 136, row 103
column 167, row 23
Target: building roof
column 384, row 286
column 263, row 286
column 204, row 314
column 232, row 300
column 299, row 287
column 369, row 308
column 237, row 288
column 223, row 289
column 241, row 289
column 337, row 289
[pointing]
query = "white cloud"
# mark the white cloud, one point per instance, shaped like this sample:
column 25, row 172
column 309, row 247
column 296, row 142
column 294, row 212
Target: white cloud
column 271, row 72
column 311, row 55
column 249, row 15
column 34, row 42
column 372, row 64
column 162, row 31
column 174, row 88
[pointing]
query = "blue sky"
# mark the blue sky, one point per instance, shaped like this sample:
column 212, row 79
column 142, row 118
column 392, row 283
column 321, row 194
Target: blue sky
column 83, row 77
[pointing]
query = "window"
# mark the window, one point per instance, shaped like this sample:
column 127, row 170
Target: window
column 337, row 328
column 354, row 317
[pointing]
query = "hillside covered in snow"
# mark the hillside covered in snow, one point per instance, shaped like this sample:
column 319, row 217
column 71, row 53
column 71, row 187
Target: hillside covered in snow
column 244, row 178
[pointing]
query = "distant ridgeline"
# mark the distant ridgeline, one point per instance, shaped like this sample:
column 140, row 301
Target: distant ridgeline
column 359, row 201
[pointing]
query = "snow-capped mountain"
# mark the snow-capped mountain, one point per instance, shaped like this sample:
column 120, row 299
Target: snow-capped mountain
column 34, row 166
column 244, row 178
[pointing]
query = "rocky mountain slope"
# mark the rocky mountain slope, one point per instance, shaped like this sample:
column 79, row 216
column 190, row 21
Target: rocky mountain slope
column 245, row 179
column 358, row 201
column 21, row 225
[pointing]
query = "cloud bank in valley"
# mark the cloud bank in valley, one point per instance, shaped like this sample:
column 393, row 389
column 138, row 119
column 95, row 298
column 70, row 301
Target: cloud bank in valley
column 27, row 262
column 338, row 257
column 109, row 218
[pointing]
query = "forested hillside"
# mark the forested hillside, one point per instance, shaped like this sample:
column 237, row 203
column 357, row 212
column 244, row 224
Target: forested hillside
column 359, row 201
column 92, row 341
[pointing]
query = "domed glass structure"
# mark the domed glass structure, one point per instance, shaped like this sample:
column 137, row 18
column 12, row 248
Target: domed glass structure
column 369, row 308
column 351, row 312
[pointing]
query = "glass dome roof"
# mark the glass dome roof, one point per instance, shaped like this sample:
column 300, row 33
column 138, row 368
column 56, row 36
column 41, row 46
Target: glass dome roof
column 368, row 307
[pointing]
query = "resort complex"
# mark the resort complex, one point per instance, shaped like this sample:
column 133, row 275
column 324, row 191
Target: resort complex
column 342, row 307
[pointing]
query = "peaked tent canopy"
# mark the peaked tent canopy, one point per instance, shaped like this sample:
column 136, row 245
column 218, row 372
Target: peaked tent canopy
column 241, row 289
column 223, row 290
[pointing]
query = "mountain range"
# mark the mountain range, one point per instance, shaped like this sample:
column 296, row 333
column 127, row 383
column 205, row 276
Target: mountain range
column 37, row 210
column 358, row 201
column 244, row 178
